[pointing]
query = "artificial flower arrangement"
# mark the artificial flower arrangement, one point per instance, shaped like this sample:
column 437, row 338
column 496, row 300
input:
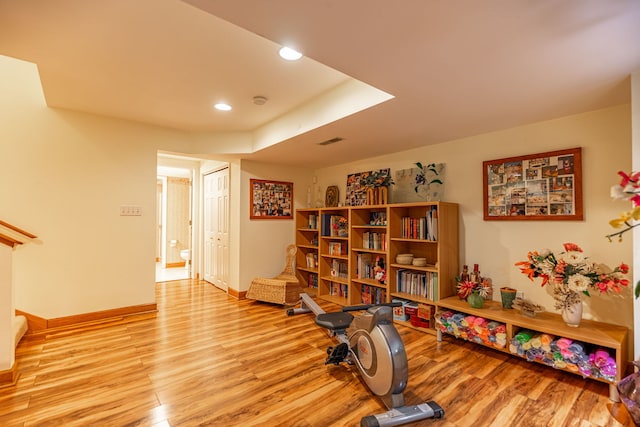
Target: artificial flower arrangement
column 466, row 287
column 628, row 189
column 572, row 274
column 469, row 283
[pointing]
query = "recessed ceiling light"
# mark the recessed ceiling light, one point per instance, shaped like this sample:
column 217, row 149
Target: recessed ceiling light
column 222, row 106
column 290, row 54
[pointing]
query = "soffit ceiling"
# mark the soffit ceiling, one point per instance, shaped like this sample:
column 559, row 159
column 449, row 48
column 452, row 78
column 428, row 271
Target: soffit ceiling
column 453, row 69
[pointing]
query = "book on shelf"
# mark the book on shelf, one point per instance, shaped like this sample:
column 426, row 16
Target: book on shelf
column 339, row 268
column 364, row 266
column 332, row 224
column 338, row 290
column 337, row 248
column 432, row 223
column 312, row 281
column 373, row 295
column 423, row 228
column 423, row 284
column 312, row 260
column 414, row 228
column 325, row 225
column 313, row 221
column 375, row 241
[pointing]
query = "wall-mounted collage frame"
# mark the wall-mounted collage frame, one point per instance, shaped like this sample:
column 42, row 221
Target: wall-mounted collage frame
column 543, row 186
column 270, row 199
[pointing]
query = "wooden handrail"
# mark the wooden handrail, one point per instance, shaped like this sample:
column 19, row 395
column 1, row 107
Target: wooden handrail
column 11, row 235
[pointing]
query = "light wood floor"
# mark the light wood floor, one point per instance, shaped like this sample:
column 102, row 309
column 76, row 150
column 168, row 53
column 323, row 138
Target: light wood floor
column 209, row 359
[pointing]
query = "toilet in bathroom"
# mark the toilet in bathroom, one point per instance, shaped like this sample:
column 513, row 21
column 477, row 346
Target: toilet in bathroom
column 185, row 254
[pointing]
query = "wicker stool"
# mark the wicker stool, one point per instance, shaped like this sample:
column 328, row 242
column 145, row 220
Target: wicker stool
column 282, row 289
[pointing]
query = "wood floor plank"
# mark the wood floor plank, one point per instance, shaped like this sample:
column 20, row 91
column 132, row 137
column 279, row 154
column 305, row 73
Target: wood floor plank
column 207, row 359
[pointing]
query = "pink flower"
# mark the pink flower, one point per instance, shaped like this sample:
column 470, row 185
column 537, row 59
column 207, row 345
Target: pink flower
column 632, row 178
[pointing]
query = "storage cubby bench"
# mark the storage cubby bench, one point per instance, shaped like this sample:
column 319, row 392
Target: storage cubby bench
column 589, row 350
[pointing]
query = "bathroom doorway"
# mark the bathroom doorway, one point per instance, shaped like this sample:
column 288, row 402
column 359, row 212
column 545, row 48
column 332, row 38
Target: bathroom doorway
column 174, row 222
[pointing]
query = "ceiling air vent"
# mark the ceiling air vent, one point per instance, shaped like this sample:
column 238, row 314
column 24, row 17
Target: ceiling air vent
column 331, row 141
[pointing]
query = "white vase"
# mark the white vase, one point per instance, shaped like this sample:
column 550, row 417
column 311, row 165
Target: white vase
column 572, row 315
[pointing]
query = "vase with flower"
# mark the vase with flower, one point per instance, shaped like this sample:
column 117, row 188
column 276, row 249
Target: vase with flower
column 573, row 275
column 340, row 226
column 628, row 189
column 474, row 289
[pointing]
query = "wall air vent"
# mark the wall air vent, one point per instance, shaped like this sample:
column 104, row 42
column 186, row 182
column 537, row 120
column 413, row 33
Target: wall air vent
column 331, row 141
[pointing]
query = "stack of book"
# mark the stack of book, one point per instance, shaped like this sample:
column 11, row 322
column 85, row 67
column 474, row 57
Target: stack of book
column 423, row 228
column 376, row 241
column 424, row 284
column 339, row 268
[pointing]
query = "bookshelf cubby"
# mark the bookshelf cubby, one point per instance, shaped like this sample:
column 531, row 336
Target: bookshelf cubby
column 375, row 235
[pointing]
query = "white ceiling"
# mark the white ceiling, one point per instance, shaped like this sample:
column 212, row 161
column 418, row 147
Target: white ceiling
column 454, row 68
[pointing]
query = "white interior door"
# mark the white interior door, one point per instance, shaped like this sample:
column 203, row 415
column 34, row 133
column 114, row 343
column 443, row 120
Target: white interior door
column 216, row 228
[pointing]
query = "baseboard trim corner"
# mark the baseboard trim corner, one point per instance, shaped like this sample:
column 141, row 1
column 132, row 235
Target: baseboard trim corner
column 9, row 377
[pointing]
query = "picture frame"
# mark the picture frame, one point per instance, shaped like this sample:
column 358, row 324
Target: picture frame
column 357, row 188
column 406, row 190
column 543, row 186
column 270, row 199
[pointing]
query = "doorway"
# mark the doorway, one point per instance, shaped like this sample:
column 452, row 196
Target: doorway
column 174, row 221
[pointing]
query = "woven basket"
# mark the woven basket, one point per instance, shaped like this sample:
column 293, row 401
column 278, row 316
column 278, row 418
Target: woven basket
column 282, row 289
column 278, row 291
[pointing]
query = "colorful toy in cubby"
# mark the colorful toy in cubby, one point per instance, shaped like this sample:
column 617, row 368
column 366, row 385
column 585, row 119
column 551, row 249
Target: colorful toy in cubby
column 564, row 353
column 472, row 328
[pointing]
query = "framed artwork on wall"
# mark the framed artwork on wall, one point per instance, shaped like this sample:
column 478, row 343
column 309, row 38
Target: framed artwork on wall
column 270, row 199
column 408, row 188
column 544, row 186
column 357, row 186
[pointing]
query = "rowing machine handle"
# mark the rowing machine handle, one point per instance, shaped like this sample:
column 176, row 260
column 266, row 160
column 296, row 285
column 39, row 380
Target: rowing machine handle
column 367, row 306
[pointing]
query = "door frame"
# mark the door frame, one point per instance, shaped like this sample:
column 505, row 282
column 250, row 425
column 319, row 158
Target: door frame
column 193, row 166
column 202, row 223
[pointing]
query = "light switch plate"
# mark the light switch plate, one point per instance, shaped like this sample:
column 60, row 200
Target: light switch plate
column 129, row 210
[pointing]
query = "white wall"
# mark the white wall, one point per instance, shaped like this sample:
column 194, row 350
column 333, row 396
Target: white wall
column 64, row 177
column 263, row 241
column 7, row 353
column 605, row 138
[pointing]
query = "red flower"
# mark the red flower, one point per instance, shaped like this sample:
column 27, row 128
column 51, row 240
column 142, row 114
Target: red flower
column 572, row 247
column 624, row 268
column 560, row 267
